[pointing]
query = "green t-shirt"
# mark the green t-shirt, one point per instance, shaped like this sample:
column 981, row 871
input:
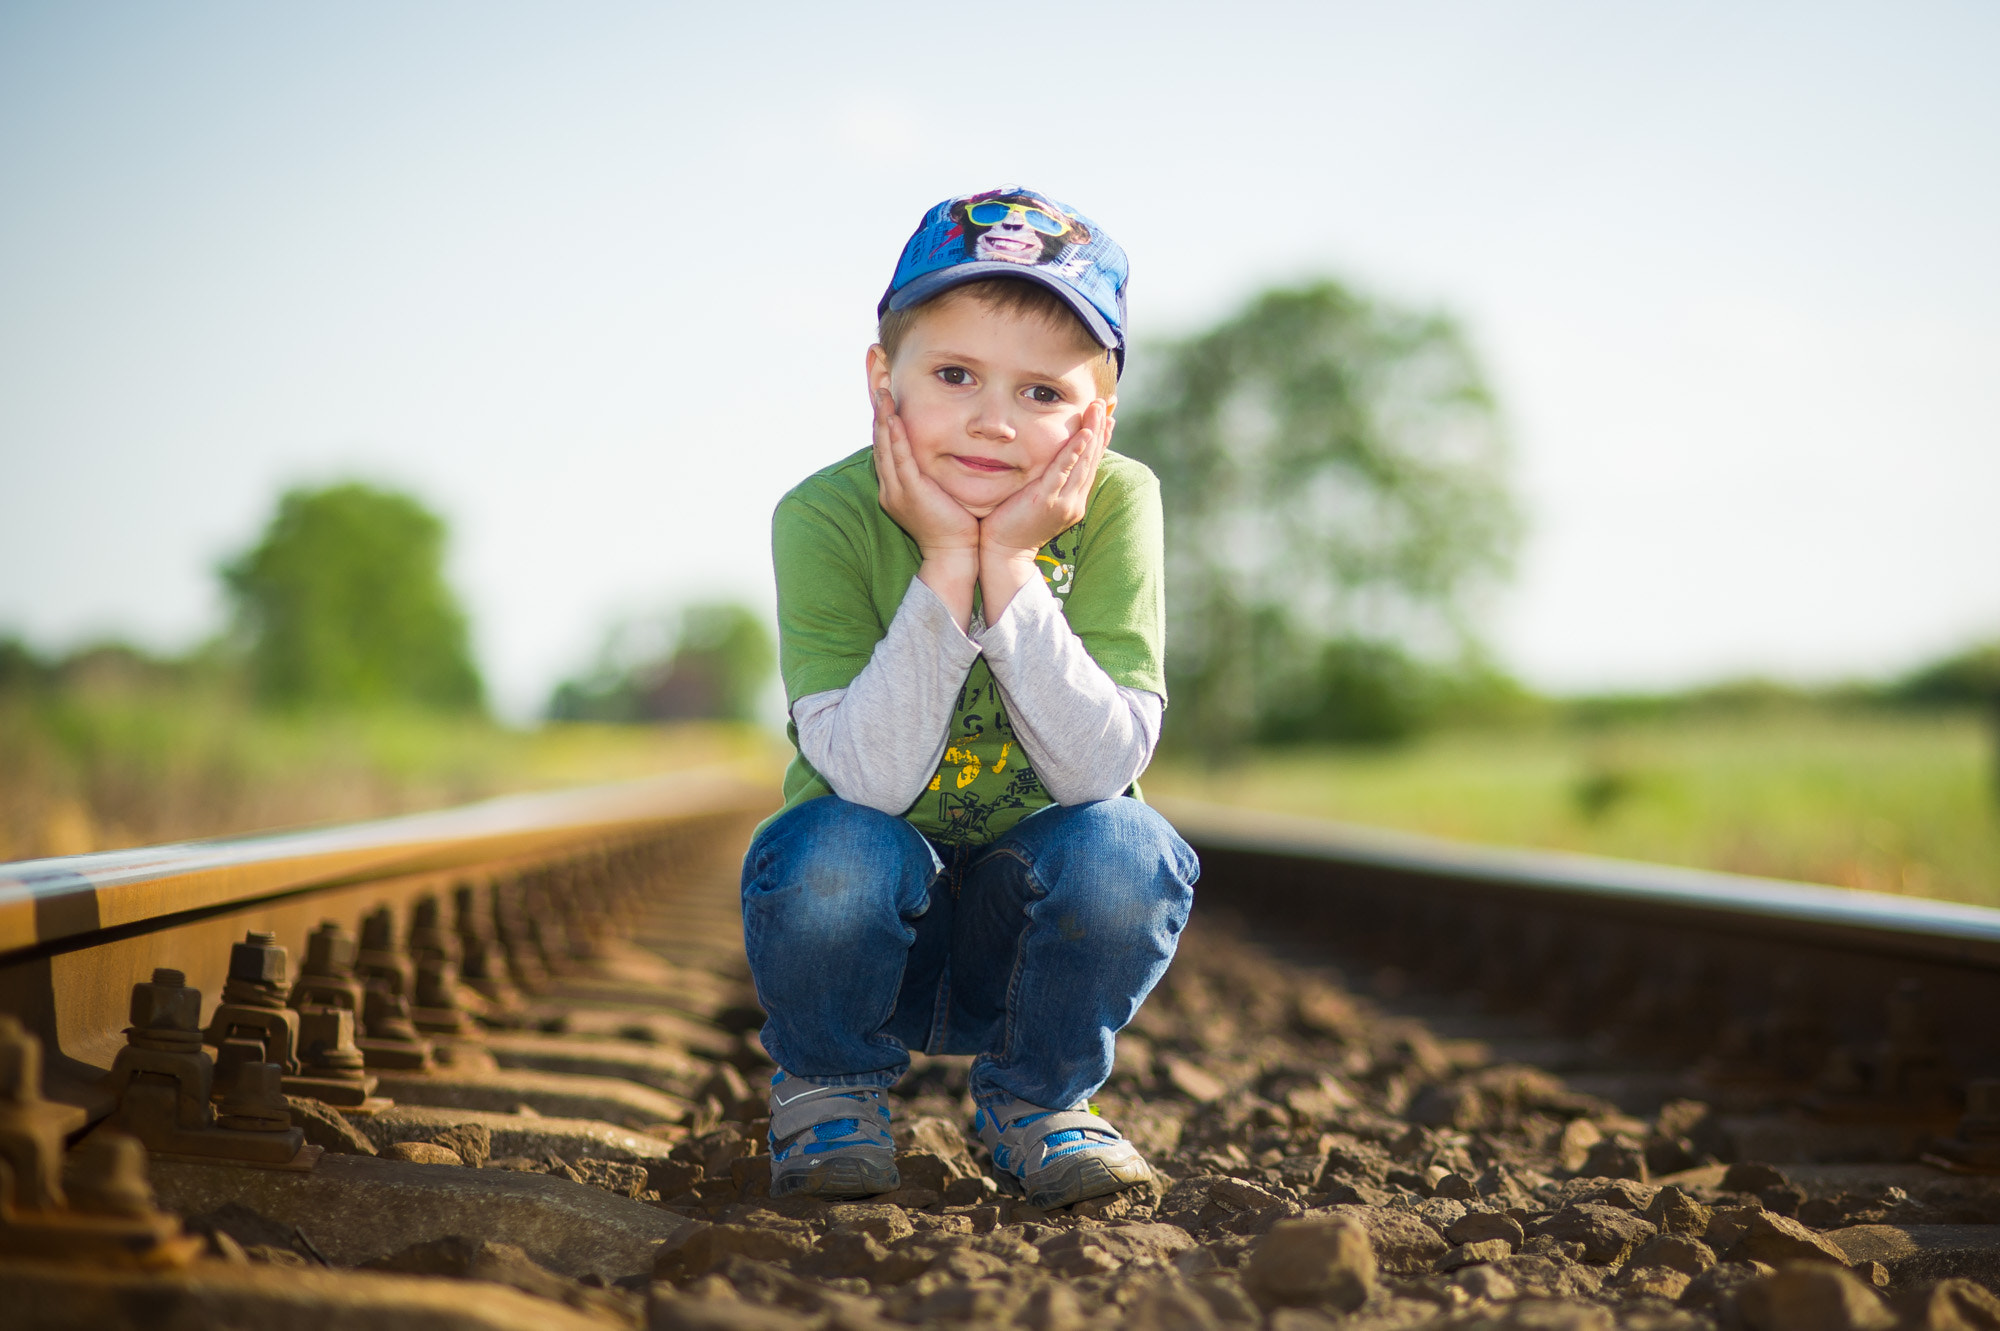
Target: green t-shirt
column 843, row 568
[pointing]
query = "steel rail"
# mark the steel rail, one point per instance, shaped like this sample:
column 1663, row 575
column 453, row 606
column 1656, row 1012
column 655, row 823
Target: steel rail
column 77, row 932
column 67, row 899
column 1845, row 917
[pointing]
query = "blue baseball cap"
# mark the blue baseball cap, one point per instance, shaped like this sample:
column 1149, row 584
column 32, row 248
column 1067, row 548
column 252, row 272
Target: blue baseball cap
column 1012, row 232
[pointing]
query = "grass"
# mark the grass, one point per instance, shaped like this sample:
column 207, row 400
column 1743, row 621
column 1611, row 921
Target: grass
column 1893, row 801
column 100, row 768
column 1889, row 801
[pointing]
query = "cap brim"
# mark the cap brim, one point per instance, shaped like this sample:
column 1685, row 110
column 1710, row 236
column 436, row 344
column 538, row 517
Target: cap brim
column 921, row 289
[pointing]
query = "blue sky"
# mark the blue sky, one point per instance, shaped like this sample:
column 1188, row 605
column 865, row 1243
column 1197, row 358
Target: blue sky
column 596, row 281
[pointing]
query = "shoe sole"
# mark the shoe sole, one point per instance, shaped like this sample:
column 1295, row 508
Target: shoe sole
column 848, row 1177
column 1083, row 1177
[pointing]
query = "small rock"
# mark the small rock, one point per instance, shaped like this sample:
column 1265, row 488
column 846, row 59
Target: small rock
column 980, row 1302
column 1455, row 1187
column 472, row 1142
column 1312, row 1262
column 1171, row 1305
column 1554, row 1315
column 1717, row 1286
column 1751, row 1176
column 1950, row 1305
column 1617, row 1156
column 1089, row 1251
column 1624, row 1193
column 1573, row 1148
column 1483, row 1282
column 762, row 1243
column 1812, row 1297
column 1743, row 1233
column 1052, row 1307
column 1404, row 1245
column 328, row 1128
column 912, row 1199
column 1605, row 1234
column 615, row 1176
column 846, row 1253
column 1483, row 1226
column 1472, row 1254
column 885, row 1224
column 1653, row 1282
column 1242, row 1195
column 1674, row 1212
column 1192, row 1082
column 423, row 1153
column 1676, row 1252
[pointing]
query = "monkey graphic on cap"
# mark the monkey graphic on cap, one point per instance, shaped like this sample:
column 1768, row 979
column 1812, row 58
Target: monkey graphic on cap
column 1016, row 226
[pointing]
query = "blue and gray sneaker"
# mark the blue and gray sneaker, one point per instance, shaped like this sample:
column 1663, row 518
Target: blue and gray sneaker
column 830, row 1141
column 1060, row 1156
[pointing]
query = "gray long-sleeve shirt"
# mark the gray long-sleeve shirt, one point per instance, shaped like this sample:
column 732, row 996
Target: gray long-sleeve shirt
column 879, row 741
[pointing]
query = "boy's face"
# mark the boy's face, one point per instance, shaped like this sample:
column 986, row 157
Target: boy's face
column 987, row 398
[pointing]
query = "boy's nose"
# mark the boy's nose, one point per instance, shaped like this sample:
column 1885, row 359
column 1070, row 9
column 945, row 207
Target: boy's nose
column 989, row 420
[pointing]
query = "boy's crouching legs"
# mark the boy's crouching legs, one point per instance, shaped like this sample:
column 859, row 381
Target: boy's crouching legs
column 1097, row 894
column 829, row 889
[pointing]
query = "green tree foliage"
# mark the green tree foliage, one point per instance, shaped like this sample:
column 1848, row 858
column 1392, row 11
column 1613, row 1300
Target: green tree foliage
column 1970, row 678
column 709, row 663
column 1334, row 479
column 343, row 603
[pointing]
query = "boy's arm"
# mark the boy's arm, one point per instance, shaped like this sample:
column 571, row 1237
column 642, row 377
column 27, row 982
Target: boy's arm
column 1083, row 674
column 1087, row 737
column 879, row 740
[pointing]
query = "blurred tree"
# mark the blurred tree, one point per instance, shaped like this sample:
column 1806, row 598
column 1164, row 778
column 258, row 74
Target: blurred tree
column 1971, row 678
column 1333, row 476
column 708, row 664
column 344, row 603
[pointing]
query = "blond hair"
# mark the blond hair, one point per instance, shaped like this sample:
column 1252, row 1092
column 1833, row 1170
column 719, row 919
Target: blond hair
column 1005, row 295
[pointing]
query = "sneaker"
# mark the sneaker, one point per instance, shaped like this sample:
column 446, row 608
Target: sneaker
column 830, row 1141
column 1059, row 1156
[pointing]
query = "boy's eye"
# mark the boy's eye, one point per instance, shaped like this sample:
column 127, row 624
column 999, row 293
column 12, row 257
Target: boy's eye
column 1044, row 394
column 954, row 374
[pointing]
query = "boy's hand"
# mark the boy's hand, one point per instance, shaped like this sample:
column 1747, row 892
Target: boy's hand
column 947, row 535
column 1013, row 534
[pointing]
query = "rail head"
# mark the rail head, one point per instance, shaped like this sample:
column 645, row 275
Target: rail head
column 1865, row 921
column 56, row 902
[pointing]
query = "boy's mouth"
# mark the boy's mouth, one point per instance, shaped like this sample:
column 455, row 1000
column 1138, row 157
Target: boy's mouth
column 981, row 464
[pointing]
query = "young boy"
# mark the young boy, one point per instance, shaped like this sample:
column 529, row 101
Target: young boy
column 970, row 624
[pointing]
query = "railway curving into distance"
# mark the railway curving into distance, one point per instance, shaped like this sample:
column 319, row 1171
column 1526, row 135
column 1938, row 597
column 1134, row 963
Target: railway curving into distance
column 497, row 1067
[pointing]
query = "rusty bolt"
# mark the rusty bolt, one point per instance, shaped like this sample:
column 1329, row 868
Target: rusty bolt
column 256, row 1103
column 326, row 1041
column 378, row 931
column 330, row 950
column 107, row 1176
column 165, row 1003
column 386, row 1015
column 437, row 983
column 259, row 959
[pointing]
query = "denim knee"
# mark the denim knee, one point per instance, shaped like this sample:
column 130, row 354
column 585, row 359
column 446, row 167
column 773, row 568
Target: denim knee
column 837, row 872
column 1116, row 865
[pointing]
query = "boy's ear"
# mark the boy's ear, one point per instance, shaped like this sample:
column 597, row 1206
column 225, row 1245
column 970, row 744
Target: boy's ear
column 878, row 372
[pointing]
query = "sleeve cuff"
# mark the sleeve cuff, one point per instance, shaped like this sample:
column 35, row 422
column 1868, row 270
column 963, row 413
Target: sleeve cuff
column 933, row 620
column 1027, row 615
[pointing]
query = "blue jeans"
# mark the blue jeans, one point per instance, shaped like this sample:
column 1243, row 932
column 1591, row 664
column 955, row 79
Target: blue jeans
column 868, row 940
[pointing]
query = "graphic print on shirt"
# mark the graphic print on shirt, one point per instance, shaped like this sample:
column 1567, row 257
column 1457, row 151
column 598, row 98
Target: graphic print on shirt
column 984, row 769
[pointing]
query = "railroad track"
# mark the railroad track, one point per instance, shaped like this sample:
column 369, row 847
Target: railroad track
column 497, row 1068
